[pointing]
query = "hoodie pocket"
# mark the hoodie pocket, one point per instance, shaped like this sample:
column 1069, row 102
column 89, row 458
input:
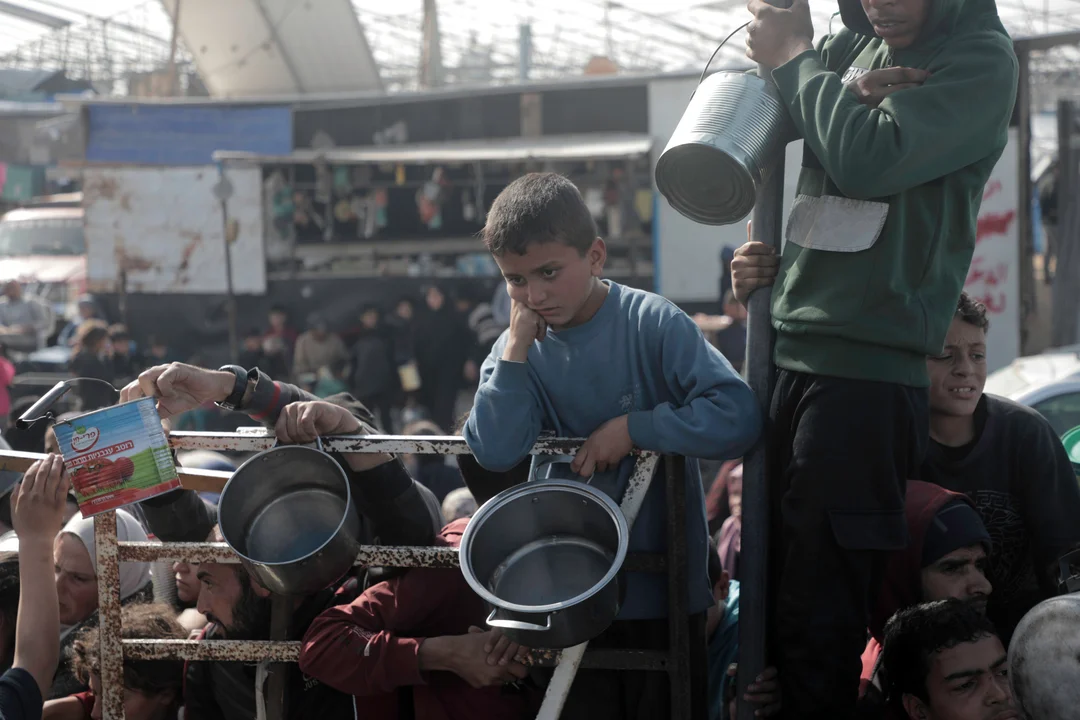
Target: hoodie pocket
column 835, row 224
column 829, row 260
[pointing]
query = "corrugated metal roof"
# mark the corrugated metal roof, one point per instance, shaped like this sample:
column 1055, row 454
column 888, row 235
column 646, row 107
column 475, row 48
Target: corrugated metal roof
column 551, row 147
column 260, row 47
column 13, row 80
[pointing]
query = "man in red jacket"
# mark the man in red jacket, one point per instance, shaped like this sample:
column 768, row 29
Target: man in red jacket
column 412, row 646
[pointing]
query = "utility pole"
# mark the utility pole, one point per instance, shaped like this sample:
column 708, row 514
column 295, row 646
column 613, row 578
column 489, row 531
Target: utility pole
column 174, row 83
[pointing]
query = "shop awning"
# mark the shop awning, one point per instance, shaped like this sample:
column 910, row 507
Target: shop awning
column 596, row 146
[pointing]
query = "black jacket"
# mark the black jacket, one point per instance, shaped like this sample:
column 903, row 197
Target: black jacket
column 1019, row 477
column 394, row 510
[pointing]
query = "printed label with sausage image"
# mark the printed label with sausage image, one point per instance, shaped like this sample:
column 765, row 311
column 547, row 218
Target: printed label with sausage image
column 117, row 456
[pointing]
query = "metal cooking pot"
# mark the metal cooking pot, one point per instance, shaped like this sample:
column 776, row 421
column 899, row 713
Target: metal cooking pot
column 288, row 514
column 727, row 141
column 547, row 556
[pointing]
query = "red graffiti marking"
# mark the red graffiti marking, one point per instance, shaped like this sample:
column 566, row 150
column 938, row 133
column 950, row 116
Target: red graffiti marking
column 993, row 224
column 992, row 276
column 991, row 190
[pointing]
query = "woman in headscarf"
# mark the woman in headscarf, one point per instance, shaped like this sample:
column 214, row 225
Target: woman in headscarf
column 77, row 587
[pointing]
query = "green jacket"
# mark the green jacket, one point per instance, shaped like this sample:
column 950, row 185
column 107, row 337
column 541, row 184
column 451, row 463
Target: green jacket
column 883, row 229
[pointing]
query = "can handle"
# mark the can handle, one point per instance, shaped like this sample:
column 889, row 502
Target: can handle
column 717, row 50
column 492, row 621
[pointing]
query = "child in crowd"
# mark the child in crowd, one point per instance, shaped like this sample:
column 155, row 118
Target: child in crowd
column 584, row 357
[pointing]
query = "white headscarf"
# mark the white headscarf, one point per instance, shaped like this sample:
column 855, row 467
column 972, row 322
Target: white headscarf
column 133, row 575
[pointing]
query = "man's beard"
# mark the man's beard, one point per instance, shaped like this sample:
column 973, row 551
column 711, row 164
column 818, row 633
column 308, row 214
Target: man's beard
column 250, row 615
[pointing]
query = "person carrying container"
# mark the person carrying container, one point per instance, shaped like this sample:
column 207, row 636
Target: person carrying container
column 903, row 113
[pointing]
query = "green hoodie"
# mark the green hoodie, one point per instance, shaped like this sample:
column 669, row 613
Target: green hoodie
column 883, row 229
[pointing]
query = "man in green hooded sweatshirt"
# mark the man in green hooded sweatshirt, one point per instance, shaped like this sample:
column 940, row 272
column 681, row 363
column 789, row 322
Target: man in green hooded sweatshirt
column 903, row 113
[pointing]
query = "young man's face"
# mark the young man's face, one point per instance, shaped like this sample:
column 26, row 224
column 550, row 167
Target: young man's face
column 897, row 22
column 966, row 682
column 277, row 320
column 243, row 613
column 370, row 319
column 958, row 375
column 553, row 279
column 961, row 574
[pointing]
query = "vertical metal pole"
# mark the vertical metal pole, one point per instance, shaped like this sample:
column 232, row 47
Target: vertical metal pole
column 678, row 617
column 277, row 699
column 173, row 80
column 234, row 340
column 753, row 565
column 1028, row 296
column 112, row 650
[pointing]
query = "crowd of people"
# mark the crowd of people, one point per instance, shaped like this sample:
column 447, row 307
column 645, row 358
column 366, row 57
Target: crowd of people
column 917, row 521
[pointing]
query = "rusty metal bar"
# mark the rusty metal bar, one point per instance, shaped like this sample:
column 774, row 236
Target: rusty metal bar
column 251, row 651
column 402, row 556
column 190, row 478
column 558, row 689
column 447, row 445
column 112, row 656
column 248, row 651
column 678, row 612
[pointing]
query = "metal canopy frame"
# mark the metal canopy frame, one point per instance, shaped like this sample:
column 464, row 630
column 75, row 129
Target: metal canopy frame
column 110, row 553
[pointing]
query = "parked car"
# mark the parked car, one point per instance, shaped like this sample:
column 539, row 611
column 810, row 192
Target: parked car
column 1049, row 383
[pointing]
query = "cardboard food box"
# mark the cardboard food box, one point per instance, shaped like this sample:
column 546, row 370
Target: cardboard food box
column 117, row 456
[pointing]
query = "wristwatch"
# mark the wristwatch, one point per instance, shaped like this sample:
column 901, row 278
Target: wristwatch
column 243, row 378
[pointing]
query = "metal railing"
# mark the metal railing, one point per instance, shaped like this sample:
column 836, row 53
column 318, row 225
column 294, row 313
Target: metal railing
column 110, row 553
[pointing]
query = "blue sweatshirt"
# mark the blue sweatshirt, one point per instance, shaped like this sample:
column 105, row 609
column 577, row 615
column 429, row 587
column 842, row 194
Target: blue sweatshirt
column 639, row 356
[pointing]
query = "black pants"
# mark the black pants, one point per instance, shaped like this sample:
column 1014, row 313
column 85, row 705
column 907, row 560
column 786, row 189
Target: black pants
column 638, row 694
column 841, row 452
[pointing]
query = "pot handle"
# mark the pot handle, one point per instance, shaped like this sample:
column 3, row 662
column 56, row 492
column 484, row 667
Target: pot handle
column 492, row 621
column 548, row 467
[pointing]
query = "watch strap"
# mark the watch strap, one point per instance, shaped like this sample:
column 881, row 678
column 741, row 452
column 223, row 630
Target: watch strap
column 232, row 402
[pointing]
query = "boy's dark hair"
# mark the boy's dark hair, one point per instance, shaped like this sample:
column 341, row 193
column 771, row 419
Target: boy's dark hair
column 277, row 308
column 140, row 622
column 972, row 312
column 915, row 634
column 538, row 208
column 119, row 331
column 485, row 484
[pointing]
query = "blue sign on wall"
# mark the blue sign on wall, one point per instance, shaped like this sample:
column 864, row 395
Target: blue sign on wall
column 179, row 135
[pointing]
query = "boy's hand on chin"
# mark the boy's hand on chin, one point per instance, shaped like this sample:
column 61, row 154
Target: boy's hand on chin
column 608, row 444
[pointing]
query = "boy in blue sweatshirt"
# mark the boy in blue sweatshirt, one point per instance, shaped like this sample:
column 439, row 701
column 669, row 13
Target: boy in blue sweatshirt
column 584, row 357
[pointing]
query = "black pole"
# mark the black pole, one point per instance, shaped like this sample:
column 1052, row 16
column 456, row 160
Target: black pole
column 753, row 561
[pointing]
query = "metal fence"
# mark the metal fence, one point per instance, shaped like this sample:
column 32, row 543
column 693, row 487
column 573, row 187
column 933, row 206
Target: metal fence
column 110, row 552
